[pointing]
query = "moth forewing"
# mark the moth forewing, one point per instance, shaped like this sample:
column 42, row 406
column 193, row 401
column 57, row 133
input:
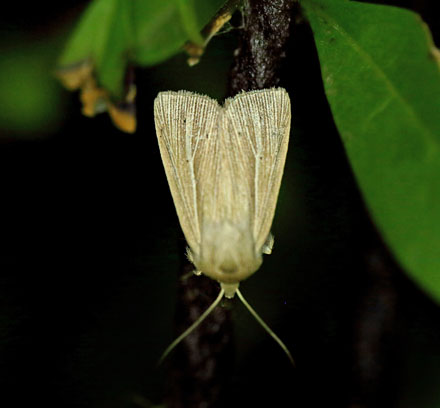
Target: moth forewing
column 257, row 124
column 186, row 128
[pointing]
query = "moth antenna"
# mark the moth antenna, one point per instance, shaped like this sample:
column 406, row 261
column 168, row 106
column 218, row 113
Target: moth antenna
column 265, row 326
column 204, row 315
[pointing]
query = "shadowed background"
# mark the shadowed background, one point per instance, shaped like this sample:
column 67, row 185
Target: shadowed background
column 91, row 245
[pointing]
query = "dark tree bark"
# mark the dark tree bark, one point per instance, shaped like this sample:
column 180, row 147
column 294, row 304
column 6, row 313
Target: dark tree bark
column 262, row 45
column 199, row 368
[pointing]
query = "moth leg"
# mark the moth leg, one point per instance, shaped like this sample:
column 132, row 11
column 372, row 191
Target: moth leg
column 268, row 245
column 190, row 257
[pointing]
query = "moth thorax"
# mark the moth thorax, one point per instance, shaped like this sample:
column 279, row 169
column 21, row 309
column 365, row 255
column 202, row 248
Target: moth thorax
column 227, row 252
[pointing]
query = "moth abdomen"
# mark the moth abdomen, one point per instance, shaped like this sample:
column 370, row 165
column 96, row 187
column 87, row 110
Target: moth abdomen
column 227, row 252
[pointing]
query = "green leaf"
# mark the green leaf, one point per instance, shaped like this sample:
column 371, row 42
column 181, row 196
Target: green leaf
column 382, row 81
column 163, row 27
column 189, row 20
column 31, row 100
column 113, row 33
column 104, row 36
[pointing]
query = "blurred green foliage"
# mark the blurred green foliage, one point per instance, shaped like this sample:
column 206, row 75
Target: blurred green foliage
column 382, row 79
column 114, row 33
column 31, row 100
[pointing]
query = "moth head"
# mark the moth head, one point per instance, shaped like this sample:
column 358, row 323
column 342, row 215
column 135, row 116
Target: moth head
column 227, row 253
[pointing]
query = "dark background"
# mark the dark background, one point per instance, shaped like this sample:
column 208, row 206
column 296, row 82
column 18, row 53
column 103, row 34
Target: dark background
column 91, row 247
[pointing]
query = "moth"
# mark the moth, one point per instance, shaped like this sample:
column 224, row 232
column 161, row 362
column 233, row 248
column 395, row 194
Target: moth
column 224, row 166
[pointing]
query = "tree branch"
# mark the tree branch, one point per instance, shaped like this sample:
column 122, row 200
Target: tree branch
column 201, row 364
column 262, row 45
